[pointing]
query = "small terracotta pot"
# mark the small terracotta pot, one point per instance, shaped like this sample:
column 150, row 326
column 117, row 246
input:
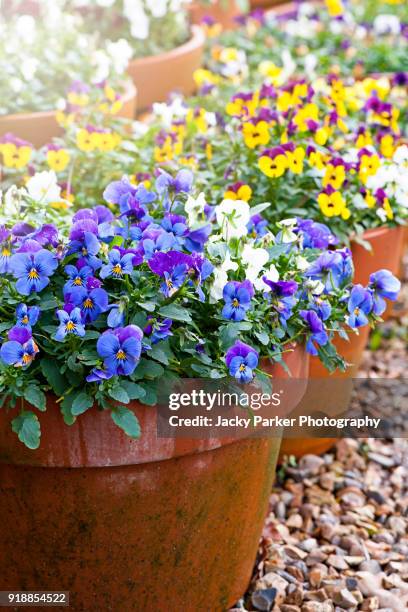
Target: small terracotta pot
column 224, row 15
column 157, row 76
column 40, row 128
column 149, row 524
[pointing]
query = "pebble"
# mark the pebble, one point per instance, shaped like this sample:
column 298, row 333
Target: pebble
column 345, row 599
column 264, row 599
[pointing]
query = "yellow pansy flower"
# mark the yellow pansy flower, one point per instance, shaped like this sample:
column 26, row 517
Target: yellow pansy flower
column 369, row 165
column 256, row 134
column 58, row 159
column 309, row 112
column 333, row 205
column 335, row 8
column 239, row 191
column 335, row 176
column 15, row 156
column 387, row 146
column 273, row 167
column 86, row 141
column 295, row 160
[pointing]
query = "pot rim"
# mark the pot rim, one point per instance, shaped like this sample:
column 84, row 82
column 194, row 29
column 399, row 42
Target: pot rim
column 196, row 40
column 129, row 93
column 380, row 231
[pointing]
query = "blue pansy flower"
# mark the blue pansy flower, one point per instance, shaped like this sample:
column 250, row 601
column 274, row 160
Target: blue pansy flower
column 116, row 317
column 316, row 333
column 88, row 248
column 118, row 266
column 27, row 316
column 173, row 267
column 332, row 268
column 77, row 277
column 360, row 305
column 21, row 350
column 70, row 324
column 121, row 349
column 257, row 226
column 242, row 359
column 156, row 240
column 5, row 250
column 182, row 183
column 383, row 284
column 315, row 235
column 196, row 239
column 237, row 297
column 33, row 270
column 92, row 303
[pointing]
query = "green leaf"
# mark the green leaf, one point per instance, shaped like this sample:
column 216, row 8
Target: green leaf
column 51, row 372
column 119, row 394
column 126, row 420
column 159, row 354
column 81, row 403
column 147, row 369
column 66, row 409
column 172, row 311
column 27, row 427
column 263, row 337
column 36, row 397
column 259, row 208
column 133, row 390
column 150, row 398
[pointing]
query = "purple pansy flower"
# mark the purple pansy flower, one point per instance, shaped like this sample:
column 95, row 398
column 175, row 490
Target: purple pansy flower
column 242, row 359
column 317, row 333
column 237, row 297
column 33, row 270
column 158, row 329
column 121, row 349
column 88, row 247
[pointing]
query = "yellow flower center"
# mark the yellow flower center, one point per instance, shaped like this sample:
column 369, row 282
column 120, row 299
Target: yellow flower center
column 6, row 252
column 117, row 269
column 88, row 303
column 120, row 355
column 24, row 320
column 70, row 326
column 242, row 367
column 235, row 303
column 33, row 274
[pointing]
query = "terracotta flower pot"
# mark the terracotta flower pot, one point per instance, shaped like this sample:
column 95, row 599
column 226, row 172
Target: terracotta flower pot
column 157, row 76
column 387, row 244
column 321, row 394
column 152, row 524
column 223, row 13
column 265, row 4
column 40, row 128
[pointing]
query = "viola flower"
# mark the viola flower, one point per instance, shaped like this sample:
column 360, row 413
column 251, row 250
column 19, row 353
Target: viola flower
column 88, row 248
column 173, row 267
column 116, row 317
column 242, row 359
column 316, row 333
column 233, row 217
column 121, row 349
column 273, row 162
column 295, row 157
column 92, row 303
column 70, row 324
column 237, row 298
column 157, row 329
column 33, row 270
column 238, row 191
column 77, row 277
column 315, row 235
column 257, row 226
column 369, row 164
column 255, row 133
column 182, row 183
column 27, row 316
column 335, row 175
column 281, row 288
column 333, row 268
column 156, row 240
column 383, row 284
column 118, row 265
column 21, row 350
column 360, row 305
column 332, row 204
column 98, row 375
column 57, row 158
column 176, row 225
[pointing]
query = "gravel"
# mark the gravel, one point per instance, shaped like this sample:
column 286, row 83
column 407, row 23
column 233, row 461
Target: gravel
column 336, row 536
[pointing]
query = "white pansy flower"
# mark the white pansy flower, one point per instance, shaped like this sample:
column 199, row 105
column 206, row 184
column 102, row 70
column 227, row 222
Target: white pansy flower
column 315, row 287
column 195, row 207
column 302, row 263
column 401, row 156
column 387, row 24
column 233, row 217
column 287, row 226
column 12, row 202
column 254, row 261
column 220, row 275
column 121, row 53
column 168, row 112
column 43, row 187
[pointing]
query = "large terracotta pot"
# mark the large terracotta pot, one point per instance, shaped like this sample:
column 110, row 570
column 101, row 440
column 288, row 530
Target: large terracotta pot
column 224, row 13
column 265, row 4
column 157, row 76
column 40, row 128
column 152, row 524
